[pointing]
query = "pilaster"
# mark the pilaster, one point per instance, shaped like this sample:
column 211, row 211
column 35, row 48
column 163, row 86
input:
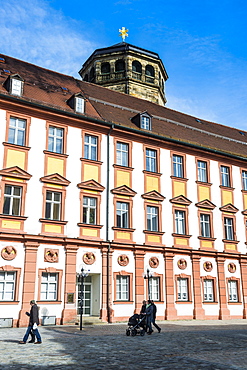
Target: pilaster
column 170, row 311
column 198, row 312
column 224, row 313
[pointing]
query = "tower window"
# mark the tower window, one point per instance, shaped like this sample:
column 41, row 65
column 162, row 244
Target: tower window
column 149, row 72
column 120, row 66
column 92, row 74
column 136, row 66
column 105, row 67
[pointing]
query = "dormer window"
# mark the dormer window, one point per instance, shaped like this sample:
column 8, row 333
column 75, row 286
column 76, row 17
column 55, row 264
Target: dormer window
column 79, row 104
column 16, row 85
column 143, row 120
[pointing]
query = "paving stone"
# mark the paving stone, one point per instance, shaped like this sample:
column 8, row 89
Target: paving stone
column 187, row 345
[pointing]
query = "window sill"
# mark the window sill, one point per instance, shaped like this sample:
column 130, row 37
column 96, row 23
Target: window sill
column 123, row 167
column 152, row 173
column 91, row 160
column 206, row 238
column 203, row 183
column 27, row 148
column 11, row 217
column 44, row 220
column 153, row 232
column 207, row 302
column 227, row 241
column 50, row 302
column 184, row 302
column 226, row 187
column 181, row 235
column 234, row 303
column 9, row 302
column 56, row 154
column 80, row 224
column 130, row 230
column 123, row 302
column 179, row 178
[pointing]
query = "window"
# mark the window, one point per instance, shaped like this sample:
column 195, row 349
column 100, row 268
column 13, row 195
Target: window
column 16, row 87
column 105, row 67
column 154, row 288
column 145, row 123
column 53, row 205
column 152, row 218
column 122, row 154
column 208, row 290
column 205, row 225
column 244, row 180
column 177, row 161
column 233, row 290
column 122, row 288
column 79, row 104
column 202, row 171
column 17, row 131
column 90, row 147
column 180, row 226
column 151, row 160
column 136, row 66
column 225, row 176
column 12, row 200
column 119, row 66
column 122, row 215
column 89, row 210
column 182, row 289
column 55, row 139
column 49, row 286
column 149, row 70
column 7, row 285
column 229, row 229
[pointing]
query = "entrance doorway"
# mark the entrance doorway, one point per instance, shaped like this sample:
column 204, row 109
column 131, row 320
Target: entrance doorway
column 87, row 297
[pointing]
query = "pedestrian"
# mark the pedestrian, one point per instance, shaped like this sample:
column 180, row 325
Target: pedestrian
column 143, row 309
column 154, row 316
column 33, row 324
column 149, row 315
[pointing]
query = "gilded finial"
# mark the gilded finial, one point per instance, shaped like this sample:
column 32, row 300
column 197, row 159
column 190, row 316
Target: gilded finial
column 123, row 33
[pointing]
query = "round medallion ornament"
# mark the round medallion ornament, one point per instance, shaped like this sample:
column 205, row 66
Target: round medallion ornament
column 89, row 258
column 182, row 264
column 231, row 267
column 51, row 255
column 123, row 260
column 154, row 262
column 208, row 266
column 8, row 253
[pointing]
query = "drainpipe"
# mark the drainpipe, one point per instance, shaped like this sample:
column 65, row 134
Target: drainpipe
column 107, row 225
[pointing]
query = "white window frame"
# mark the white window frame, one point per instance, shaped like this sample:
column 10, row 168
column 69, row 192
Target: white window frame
column 244, row 179
column 152, row 218
column 229, row 228
column 208, row 290
column 202, row 171
column 180, row 222
column 55, row 206
column 90, row 208
column 7, row 285
column 122, row 154
column 79, row 104
column 17, row 126
column 122, row 288
column 182, row 286
column 154, row 288
column 145, row 122
column 48, row 283
column 225, row 176
column 56, row 139
column 178, row 166
column 13, row 199
column 122, row 217
column 151, row 160
column 205, row 228
column 16, row 87
column 233, row 290
column 91, row 147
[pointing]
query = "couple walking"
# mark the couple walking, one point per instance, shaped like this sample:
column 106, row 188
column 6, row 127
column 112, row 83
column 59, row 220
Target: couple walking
column 149, row 309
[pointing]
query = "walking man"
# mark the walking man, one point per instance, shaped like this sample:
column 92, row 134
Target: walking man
column 149, row 316
column 33, row 324
column 154, row 316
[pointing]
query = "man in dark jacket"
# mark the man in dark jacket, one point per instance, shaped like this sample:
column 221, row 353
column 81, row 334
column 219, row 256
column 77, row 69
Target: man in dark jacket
column 154, row 316
column 149, row 316
column 33, row 324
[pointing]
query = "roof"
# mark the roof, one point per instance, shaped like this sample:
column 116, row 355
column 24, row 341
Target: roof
column 46, row 88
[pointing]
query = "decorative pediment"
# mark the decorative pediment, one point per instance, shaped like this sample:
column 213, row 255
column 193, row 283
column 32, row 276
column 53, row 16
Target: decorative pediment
column 91, row 185
column 181, row 199
column 229, row 208
column 55, row 178
column 124, row 190
column 206, row 203
column 15, row 172
column 153, row 195
column 244, row 212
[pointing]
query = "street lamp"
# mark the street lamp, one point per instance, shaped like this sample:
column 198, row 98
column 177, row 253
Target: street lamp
column 147, row 276
column 81, row 277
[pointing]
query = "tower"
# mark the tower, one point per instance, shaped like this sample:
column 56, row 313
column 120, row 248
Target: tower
column 127, row 69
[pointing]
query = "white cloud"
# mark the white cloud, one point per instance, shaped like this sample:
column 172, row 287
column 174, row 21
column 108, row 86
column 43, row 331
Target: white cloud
column 34, row 32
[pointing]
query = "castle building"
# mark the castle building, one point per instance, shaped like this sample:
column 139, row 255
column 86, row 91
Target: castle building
column 97, row 174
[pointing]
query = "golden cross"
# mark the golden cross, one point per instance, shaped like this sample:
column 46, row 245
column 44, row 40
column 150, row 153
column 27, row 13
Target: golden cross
column 123, row 33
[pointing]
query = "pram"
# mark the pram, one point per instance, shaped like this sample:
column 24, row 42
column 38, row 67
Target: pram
column 136, row 325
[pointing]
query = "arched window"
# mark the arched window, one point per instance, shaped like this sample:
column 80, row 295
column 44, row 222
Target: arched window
column 105, row 67
column 86, row 78
column 149, row 74
column 92, row 74
column 149, row 71
column 119, row 66
column 136, row 66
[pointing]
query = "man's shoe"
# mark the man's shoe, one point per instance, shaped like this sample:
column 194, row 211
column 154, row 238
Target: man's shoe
column 37, row 342
column 31, row 341
column 21, row 342
column 159, row 330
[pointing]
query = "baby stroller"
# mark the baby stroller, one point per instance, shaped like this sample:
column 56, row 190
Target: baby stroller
column 137, row 325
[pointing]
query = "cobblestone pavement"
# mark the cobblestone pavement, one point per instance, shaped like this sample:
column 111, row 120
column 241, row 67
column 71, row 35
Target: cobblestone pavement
column 187, row 345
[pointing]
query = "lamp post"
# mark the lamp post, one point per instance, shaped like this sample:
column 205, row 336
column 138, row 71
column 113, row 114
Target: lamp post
column 81, row 277
column 147, row 276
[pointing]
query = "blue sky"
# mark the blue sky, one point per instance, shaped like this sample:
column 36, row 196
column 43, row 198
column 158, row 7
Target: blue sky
column 203, row 44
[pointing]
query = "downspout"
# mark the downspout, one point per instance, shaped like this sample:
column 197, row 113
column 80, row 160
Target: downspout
column 107, row 226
